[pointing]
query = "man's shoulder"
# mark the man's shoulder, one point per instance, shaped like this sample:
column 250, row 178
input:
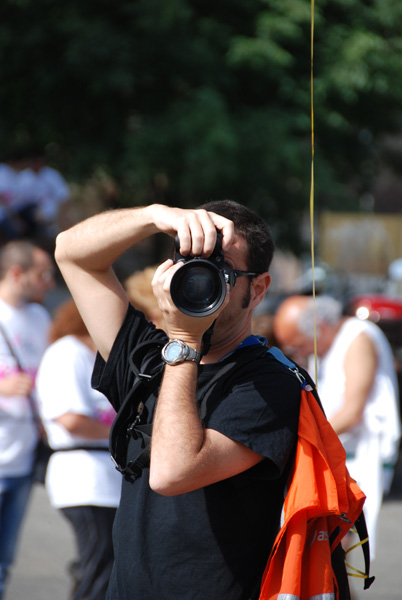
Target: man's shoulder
column 354, row 327
column 32, row 312
column 136, row 335
column 255, row 365
column 136, row 329
column 261, row 357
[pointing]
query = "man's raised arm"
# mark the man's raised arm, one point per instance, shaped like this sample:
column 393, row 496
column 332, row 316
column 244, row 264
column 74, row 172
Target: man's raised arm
column 86, row 252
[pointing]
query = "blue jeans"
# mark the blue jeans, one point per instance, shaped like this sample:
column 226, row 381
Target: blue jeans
column 14, row 495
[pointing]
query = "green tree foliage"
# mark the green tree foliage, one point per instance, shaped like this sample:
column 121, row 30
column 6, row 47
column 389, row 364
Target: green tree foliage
column 186, row 100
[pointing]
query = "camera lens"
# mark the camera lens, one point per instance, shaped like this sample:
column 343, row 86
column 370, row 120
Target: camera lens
column 198, row 288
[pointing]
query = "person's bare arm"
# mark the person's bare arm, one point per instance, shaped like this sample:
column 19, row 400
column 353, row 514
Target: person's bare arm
column 83, row 426
column 18, row 384
column 360, row 368
column 184, row 455
column 86, row 252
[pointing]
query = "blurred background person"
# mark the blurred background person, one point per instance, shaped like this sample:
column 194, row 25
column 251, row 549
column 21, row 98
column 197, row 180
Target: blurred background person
column 26, row 274
column 357, row 383
column 81, row 480
column 140, row 293
column 11, row 226
column 31, row 197
column 40, row 192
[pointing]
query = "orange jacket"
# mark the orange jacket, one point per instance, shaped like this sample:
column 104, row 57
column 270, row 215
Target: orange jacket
column 321, row 496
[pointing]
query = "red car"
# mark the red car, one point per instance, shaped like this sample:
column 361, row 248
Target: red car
column 376, row 307
column 386, row 311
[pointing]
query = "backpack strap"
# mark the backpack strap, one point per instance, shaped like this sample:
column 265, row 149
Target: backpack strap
column 280, row 357
column 134, row 468
column 361, row 528
column 148, row 376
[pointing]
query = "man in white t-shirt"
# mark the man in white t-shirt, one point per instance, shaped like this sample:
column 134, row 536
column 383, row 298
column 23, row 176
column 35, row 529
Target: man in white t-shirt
column 358, row 388
column 26, row 274
column 40, row 192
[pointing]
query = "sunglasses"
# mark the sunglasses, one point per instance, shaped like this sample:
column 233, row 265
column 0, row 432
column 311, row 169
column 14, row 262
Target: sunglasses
column 231, row 275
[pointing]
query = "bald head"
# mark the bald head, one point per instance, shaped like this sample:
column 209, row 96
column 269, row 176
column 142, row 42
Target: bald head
column 294, row 323
column 288, row 317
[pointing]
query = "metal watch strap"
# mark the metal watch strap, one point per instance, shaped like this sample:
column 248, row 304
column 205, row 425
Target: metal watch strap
column 193, row 355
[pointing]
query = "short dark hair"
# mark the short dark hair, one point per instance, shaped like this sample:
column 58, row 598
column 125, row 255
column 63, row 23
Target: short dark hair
column 252, row 227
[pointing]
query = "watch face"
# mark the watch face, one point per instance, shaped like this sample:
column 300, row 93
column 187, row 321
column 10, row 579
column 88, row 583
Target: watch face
column 173, row 351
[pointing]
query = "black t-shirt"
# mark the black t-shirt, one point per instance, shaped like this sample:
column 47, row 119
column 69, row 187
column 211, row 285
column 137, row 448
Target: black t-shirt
column 212, row 543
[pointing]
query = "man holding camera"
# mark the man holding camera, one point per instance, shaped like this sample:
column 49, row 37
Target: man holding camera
column 199, row 521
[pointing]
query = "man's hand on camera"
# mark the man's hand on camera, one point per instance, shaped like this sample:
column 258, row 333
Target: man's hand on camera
column 196, row 229
column 177, row 324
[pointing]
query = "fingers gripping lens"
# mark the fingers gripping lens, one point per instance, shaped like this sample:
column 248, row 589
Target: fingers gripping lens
column 198, row 288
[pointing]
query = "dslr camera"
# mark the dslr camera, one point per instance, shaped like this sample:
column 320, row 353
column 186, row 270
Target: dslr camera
column 198, row 288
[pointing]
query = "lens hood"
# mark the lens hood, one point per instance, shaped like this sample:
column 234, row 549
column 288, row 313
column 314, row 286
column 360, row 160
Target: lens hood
column 198, row 288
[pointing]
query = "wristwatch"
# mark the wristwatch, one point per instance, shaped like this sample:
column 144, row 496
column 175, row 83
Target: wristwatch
column 176, row 352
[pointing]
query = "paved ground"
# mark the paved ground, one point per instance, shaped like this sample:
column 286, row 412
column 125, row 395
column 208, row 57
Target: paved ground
column 47, row 546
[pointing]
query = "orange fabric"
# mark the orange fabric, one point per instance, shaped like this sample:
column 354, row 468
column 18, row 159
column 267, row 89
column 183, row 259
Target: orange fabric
column 320, row 491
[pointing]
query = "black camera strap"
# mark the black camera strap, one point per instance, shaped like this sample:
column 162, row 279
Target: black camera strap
column 206, row 339
column 127, row 424
column 148, row 375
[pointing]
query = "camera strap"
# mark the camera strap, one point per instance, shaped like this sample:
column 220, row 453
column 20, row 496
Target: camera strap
column 148, row 375
column 206, row 339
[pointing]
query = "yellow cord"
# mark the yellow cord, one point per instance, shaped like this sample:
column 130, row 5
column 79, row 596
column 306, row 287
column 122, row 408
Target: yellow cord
column 357, row 572
column 312, row 181
column 360, row 543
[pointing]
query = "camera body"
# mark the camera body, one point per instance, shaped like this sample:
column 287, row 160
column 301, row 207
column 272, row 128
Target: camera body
column 198, row 288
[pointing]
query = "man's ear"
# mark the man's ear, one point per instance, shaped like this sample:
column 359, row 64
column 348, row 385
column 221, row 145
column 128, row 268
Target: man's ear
column 259, row 287
column 15, row 272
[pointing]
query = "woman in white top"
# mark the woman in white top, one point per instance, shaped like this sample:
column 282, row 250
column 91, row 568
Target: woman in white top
column 81, row 480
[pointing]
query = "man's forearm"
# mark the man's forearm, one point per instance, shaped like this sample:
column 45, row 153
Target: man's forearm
column 97, row 242
column 177, row 432
column 185, row 456
column 86, row 252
